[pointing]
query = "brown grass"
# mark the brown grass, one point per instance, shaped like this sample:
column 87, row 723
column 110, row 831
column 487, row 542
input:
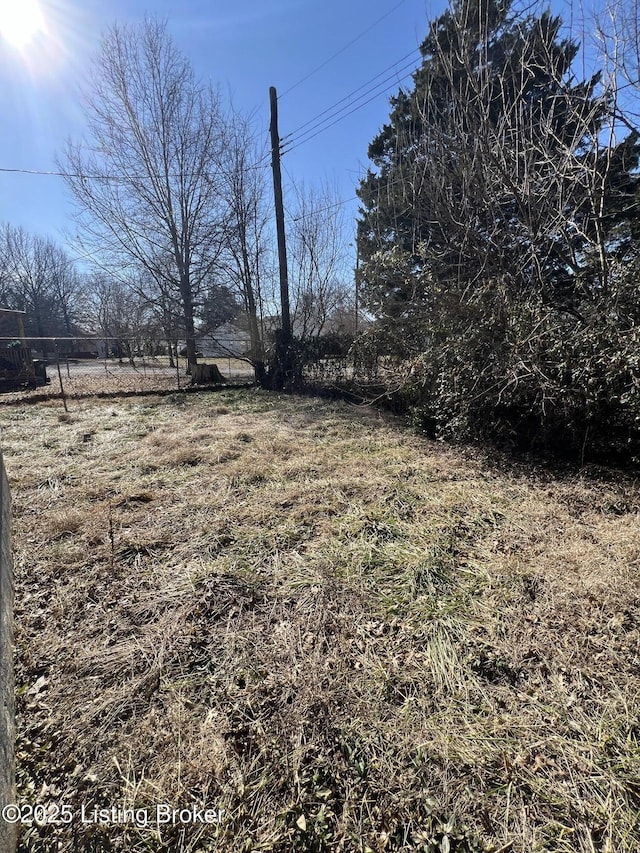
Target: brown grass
column 344, row 636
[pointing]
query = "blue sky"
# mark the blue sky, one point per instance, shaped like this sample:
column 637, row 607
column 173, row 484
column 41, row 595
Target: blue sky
column 244, row 46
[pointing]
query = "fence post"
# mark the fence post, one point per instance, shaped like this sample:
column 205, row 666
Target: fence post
column 8, row 831
column 62, row 394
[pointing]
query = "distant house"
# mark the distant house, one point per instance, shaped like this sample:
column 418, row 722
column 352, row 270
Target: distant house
column 88, row 344
column 227, row 341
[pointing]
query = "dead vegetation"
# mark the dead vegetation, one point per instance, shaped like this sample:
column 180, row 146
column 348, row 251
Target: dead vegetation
column 346, row 637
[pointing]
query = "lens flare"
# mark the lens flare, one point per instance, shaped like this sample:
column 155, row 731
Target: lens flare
column 20, row 22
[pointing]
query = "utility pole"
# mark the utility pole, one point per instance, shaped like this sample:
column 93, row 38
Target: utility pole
column 285, row 338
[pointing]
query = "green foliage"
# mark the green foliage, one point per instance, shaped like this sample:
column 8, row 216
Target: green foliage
column 219, row 306
column 331, row 345
column 526, row 374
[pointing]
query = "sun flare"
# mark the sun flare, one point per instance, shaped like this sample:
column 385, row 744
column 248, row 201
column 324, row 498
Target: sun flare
column 20, row 21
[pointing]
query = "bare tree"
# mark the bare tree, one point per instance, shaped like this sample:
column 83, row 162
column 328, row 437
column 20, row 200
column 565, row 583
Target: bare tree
column 617, row 41
column 68, row 289
column 247, row 258
column 318, row 254
column 152, row 286
column 124, row 318
column 38, row 277
column 145, row 179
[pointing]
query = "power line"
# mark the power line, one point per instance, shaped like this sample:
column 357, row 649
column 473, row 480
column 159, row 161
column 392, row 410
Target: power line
column 309, row 135
column 123, row 178
column 342, row 49
column 40, row 172
column 314, row 211
column 319, row 128
column 81, row 176
column 355, row 91
column 324, row 209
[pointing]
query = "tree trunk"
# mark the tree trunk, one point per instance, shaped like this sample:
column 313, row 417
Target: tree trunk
column 187, row 304
column 257, row 348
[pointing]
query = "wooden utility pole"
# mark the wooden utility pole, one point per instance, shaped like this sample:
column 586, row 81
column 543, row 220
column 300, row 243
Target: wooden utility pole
column 285, row 342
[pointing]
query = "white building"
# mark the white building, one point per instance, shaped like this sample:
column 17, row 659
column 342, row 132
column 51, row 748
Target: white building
column 227, row 341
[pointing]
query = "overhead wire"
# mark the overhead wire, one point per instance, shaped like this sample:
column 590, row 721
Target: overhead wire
column 393, row 67
column 343, row 49
column 398, row 182
column 261, row 164
column 288, row 143
column 398, row 74
column 314, row 211
column 324, row 209
column 318, row 129
column 321, row 125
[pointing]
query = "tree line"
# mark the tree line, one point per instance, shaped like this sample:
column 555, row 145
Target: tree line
column 61, row 301
column 498, row 234
column 170, row 192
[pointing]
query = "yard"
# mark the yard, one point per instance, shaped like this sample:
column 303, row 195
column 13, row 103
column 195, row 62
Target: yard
column 330, row 632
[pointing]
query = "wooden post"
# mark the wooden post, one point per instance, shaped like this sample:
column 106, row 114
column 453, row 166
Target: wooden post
column 62, row 394
column 19, row 316
column 282, row 245
column 8, row 831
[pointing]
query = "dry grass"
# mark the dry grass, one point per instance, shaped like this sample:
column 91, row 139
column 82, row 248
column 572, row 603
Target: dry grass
column 346, row 637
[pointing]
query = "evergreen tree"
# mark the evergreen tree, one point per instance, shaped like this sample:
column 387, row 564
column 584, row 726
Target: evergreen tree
column 498, row 198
